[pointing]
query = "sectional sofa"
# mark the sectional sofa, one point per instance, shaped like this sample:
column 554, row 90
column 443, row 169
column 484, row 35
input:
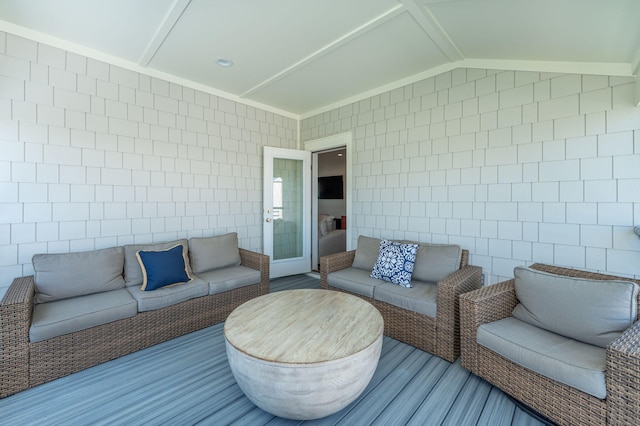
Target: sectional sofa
column 81, row 309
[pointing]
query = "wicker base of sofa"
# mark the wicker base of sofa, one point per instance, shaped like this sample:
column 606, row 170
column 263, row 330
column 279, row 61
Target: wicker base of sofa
column 406, row 326
column 570, row 407
column 63, row 355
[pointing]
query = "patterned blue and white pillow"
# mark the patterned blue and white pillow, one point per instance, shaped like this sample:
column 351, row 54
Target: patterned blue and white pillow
column 395, row 262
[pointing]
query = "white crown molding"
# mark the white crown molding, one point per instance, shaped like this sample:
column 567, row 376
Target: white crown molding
column 131, row 66
column 591, row 68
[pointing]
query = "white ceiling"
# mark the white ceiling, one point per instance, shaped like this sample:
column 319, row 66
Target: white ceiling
column 300, row 57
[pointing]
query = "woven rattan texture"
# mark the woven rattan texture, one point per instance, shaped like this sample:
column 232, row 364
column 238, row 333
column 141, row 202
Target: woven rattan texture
column 440, row 335
column 558, row 402
column 27, row 364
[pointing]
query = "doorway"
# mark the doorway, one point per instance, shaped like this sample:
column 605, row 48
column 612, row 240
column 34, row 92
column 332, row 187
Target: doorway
column 331, row 146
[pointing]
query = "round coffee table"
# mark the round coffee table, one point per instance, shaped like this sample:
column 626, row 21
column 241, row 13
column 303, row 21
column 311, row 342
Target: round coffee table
column 303, row 354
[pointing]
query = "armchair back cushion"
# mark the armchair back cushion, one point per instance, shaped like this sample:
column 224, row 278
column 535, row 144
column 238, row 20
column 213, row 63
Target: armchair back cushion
column 590, row 311
column 64, row 275
column 214, row 252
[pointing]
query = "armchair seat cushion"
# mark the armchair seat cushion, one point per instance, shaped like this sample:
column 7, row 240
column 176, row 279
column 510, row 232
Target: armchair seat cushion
column 355, row 280
column 576, row 364
column 421, row 298
column 169, row 295
column 232, row 277
column 65, row 316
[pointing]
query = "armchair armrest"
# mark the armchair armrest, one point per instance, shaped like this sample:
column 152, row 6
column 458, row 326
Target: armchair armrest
column 259, row 262
column 334, row 262
column 623, row 377
column 482, row 306
column 15, row 319
column 463, row 280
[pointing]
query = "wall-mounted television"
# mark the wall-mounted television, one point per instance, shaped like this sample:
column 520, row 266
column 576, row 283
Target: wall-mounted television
column 330, row 188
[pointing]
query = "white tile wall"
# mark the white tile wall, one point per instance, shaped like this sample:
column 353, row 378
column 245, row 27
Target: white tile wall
column 517, row 167
column 93, row 155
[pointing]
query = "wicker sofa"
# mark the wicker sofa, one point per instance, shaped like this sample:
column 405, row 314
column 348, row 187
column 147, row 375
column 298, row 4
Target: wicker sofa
column 425, row 316
column 614, row 367
column 33, row 351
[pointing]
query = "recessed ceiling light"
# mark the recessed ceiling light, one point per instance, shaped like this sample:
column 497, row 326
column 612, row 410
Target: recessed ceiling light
column 339, row 154
column 224, row 62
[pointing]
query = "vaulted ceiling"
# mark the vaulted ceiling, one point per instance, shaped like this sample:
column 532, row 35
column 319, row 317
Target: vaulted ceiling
column 301, row 56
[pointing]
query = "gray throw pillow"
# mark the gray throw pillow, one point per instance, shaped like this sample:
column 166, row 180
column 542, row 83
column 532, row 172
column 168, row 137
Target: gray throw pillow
column 132, row 269
column 590, row 311
column 435, row 262
column 366, row 253
column 65, row 275
column 214, row 252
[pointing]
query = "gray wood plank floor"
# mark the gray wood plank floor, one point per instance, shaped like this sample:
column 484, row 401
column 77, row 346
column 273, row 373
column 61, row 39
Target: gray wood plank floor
column 188, row 381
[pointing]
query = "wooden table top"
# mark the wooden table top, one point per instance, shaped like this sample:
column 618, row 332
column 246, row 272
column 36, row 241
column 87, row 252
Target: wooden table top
column 303, row 326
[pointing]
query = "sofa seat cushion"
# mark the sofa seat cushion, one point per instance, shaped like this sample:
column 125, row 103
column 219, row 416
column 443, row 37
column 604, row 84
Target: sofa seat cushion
column 170, row 295
column 225, row 279
column 591, row 311
column 355, row 280
column 64, row 275
column 65, row 316
column 422, row 298
column 576, row 364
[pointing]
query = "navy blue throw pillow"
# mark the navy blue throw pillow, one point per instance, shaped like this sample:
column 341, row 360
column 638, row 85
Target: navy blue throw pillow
column 162, row 268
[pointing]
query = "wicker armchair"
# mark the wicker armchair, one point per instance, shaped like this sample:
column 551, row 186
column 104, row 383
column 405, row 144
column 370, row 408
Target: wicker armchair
column 440, row 335
column 559, row 402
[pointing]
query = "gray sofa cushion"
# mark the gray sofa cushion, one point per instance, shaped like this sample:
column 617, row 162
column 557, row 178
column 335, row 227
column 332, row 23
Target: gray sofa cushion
column 214, row 252
column 576, row 364
column 70, row 315
column 366, row 253
column 65, row 275
column 354, row 280
column 167, row 296
column 225, row 279
column 435, row 262
column 132, row 270
column 590, row 311
column 421, row 298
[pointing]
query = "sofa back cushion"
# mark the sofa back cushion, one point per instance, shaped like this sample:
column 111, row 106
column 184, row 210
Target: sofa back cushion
column 435, row 262
column 366, row 253
column 65, row 275
column 590, row 311
column 132, row 269
column 214, row 252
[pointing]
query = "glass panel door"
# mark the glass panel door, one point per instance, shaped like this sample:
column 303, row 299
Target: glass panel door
column 287, row 210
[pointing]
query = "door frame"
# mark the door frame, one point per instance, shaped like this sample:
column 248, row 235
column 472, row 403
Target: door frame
column 327, row 143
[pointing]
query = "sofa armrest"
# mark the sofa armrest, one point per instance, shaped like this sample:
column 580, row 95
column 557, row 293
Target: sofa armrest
column 15, row 319
column 463, row 280
column 334, row 262
column 623, row 377
column 259, row 262
column 487, row 304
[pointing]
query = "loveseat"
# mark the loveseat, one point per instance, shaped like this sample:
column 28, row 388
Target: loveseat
column 81, row 309
column 424, row 315
column 564, row 342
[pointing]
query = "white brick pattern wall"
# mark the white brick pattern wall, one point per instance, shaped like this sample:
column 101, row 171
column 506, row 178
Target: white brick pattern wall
column 93, row 155
column 517, row 167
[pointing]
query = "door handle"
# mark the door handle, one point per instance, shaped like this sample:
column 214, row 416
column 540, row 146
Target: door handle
column 268, row 220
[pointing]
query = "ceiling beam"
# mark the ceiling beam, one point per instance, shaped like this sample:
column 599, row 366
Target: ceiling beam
column 368, row 26
column 173, row 14
column 430, row 25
